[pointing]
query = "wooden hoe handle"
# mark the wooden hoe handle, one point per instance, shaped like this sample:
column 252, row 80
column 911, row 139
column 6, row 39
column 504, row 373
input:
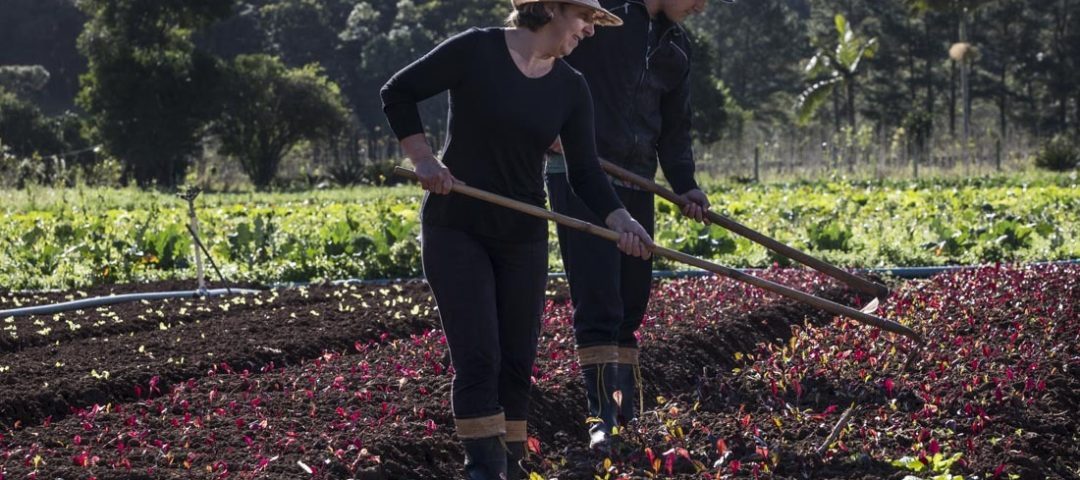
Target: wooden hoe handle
column 858, row 283
column 829, row 306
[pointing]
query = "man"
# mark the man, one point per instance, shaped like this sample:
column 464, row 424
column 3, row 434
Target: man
column 639, row 76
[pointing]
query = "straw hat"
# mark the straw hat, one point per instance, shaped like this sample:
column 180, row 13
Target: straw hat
column 604, row 18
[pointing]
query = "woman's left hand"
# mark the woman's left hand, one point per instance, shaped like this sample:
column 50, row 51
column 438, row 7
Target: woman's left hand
column 633, row 239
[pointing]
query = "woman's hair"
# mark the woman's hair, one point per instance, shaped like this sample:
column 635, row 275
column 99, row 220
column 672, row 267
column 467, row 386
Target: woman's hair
column 531, row 15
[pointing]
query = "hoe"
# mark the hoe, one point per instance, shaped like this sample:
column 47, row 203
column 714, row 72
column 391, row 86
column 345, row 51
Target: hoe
column 863, row 315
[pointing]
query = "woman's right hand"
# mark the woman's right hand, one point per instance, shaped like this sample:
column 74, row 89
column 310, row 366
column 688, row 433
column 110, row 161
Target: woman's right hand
column 633, row 239
column 434, row 176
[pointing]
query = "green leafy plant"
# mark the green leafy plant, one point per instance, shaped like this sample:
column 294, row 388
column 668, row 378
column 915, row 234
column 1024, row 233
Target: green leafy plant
column 829, row 236
column 56, row 239
column 937, row 466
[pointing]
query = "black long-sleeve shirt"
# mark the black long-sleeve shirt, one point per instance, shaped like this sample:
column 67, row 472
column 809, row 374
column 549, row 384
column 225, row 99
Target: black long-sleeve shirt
column 500, row 124
column 640, row 76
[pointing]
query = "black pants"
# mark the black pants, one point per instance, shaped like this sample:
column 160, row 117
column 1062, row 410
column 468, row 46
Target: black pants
column 609, row 290
column 490, row 296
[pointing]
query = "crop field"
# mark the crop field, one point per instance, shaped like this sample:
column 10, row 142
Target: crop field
column 352, row 381
column 211, row 262
column 63, row 239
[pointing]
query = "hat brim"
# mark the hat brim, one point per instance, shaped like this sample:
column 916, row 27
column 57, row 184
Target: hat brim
column 603, row 18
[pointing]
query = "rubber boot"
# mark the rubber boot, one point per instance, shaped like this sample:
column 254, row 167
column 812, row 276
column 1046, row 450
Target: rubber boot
column 485, row 458
column 599, row 385
column 515, row 453
column 628, row 382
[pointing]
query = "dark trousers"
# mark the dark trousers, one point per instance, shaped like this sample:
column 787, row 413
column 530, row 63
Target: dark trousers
column 609, row 290
column 490, row 296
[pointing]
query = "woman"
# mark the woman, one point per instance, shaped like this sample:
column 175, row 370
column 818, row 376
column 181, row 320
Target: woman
column 511, row 95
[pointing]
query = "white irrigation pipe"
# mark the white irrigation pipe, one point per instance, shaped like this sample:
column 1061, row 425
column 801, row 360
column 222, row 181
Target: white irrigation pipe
column 911, row 272
column 906, row 273
column 94, row 302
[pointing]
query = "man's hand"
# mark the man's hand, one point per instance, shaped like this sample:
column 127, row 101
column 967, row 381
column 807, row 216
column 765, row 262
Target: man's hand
column 697, row 206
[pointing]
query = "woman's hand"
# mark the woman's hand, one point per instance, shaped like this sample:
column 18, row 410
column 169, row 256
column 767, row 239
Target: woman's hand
column 633, row 239
column 434, row 176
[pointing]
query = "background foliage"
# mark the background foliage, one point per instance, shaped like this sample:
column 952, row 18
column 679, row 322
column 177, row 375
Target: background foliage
column 75, row 237
column 146, row 76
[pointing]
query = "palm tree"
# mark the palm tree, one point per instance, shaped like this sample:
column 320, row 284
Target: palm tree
column 832, row 67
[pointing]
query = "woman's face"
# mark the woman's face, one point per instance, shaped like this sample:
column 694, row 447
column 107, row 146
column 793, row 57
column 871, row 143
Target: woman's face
column 570, row 25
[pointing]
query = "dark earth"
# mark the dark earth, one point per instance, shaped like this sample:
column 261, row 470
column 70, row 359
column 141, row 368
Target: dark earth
column 352, row 381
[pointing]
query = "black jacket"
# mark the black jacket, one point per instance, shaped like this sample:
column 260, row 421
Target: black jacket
column 639, row 75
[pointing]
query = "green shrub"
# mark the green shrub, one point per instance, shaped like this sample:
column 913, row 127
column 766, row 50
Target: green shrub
column 1060, row 154
column 39, row 149
column 24, row 129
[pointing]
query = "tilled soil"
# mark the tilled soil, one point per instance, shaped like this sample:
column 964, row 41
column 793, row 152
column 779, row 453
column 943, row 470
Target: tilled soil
column 53, row 363
column 353, row 382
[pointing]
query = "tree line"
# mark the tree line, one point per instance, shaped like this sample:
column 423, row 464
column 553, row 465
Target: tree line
column 149, row 82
